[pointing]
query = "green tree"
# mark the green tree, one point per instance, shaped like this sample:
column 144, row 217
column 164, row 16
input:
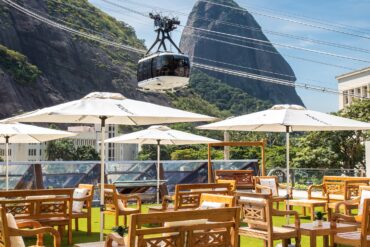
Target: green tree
column 339, row 149
column 86, row 153
column 60, row 150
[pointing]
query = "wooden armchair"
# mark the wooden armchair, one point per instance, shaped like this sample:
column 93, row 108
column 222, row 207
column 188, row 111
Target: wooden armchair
column 359, row 238
column 196, row 228
column 364, row 192
column 227, row 181
column 117, row 204
column 273, row 184
column 81, row 205
column 257, row 212
column 187, row 196
column 225, row 201
column 11, row 235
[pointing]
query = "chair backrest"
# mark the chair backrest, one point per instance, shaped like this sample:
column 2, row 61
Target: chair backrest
column 4, row 236
column 196, row 228
column 188, row 195
column 346, row 186
column 227, row 181
column 243, row 178
column 227, row 201
column 110, row 197
column 270, row 182
column 38, row 204
column 364, row 194
column 256, row 210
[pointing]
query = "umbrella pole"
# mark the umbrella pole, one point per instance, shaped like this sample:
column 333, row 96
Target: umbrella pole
column 102, row 175
column 158, row 163
column 287, row 171
column 7, row 162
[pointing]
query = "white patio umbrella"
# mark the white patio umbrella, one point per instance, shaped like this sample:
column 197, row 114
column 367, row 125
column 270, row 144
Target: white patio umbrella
column 23, row 133
column 287, row 118
column 109, row 108
column 158, row 135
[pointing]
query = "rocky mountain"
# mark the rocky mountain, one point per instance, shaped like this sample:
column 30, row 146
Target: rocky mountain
column 41, row 65
column 237, row 53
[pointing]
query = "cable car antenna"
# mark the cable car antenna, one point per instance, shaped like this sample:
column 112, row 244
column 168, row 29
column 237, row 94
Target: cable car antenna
column 164, row 26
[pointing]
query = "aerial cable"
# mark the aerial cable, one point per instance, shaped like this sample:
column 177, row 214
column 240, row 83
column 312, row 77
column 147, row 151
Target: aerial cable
column 287, row 35
column 71, row 30
column 197, row 65
column 311, row 19
column 288, row 19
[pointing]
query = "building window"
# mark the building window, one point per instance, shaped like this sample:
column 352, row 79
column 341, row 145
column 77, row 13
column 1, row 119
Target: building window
column 32, row 152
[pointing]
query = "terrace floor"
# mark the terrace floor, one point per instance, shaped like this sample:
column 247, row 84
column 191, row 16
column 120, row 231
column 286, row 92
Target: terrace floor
column 82, row 237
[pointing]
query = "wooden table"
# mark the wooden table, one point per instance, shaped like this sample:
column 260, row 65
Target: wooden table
column 307, row 229
column 305, row 203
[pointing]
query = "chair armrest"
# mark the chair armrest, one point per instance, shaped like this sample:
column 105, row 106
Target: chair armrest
column 114, row 237
column 314, row 186
column 37, row 231
column 335, row 217
column 259, row 187
column 32, row 224
column 297, row 221
column 354, row 202
column 290, row 192
column 128, row 197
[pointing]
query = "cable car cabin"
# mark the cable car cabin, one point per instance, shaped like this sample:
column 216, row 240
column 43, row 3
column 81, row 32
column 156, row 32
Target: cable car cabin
column 163, row 71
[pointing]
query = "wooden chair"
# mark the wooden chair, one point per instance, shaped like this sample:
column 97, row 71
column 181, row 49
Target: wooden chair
column 273, row 184
column 243, row 178
column 11, row 235
column 364, row 192
column 196, row 228
column 48, row 207
column 257, row 212
column 359, row 238
column 87, row 206
column 187, row 196
column 117, row 204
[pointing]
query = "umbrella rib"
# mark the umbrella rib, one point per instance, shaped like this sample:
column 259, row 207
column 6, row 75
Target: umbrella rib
column 35, row 138
column 134, row 122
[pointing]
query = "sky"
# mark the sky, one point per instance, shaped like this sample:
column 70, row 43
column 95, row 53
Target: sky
column 352, row 15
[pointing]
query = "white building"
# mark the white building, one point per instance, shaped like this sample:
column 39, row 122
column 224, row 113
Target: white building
column 355, row 84
column 87, row 136
column 352, row 85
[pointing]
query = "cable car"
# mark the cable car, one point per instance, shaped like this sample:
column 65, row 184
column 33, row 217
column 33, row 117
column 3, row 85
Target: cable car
column 163, row 70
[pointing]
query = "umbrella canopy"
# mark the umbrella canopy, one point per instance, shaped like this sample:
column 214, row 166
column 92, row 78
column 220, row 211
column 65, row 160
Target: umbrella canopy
column 279, row 117
column 23, row 133
column 160, row 134
column 114, row 108
column 109, row 108
column 287, row 118
column 164, row 134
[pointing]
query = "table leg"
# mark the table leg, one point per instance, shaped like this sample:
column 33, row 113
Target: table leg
column 312, row 241
column 312, row 213
column 304, row 211
column 325, row 240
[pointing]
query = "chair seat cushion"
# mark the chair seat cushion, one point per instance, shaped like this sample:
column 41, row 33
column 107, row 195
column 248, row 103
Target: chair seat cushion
column 350, row 236
column 262, row 232
column 17, row 240
column 77, row 194
column 211, row 205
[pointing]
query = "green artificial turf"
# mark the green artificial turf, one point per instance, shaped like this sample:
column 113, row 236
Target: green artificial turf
column 82, row 237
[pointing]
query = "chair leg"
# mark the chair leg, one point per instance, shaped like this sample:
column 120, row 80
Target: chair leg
column 76, row 224
column 265, row 244
column 125, row 220
column 88, row 219
column 284, row 243
column 117, row 218
column 298, row 242
column 70, row 233
column 277, row 205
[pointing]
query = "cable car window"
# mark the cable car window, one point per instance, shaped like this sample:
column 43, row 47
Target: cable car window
column 166, row 63
column 181, row 66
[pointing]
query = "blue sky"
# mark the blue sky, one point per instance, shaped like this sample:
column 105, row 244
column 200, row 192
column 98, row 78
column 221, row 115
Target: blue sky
column 353, row 13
